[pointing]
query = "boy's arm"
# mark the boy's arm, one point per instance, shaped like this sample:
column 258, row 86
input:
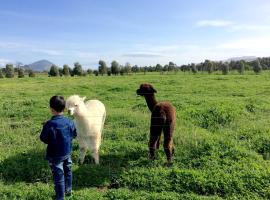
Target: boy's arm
column 45, row 134
column 73, row 129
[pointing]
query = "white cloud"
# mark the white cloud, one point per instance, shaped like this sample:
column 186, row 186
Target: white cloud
column 50, row 52
column 83, row 54
column 22, row 47
column 11, row 45
column 188, row 53
column 259, row 44
column 3, row 62
column 142, row 55
column 232, row 26
column 250, row 27
column 214, row 23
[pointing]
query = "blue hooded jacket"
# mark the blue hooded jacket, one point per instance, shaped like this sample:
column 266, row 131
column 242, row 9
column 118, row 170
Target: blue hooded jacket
column 58, row 133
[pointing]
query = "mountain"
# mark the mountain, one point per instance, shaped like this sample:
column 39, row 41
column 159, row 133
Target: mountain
column 39, row 66
column 245, row 58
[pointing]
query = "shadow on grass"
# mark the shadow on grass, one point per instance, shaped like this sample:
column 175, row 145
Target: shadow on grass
column 30, row 167
column 104, row 175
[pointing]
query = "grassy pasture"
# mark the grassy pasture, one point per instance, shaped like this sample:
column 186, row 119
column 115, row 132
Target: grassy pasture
column 222, row 138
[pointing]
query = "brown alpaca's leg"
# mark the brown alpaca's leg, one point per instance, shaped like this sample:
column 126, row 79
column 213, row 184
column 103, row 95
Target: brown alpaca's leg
column 168, row 148
column 158, row 142
column 155, row 133
column 154, row 142
column 168, row 141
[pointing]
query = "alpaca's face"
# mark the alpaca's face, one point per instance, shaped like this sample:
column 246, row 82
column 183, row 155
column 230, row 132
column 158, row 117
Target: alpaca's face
column 72, row 108
column 146, row 89
column 73, row 104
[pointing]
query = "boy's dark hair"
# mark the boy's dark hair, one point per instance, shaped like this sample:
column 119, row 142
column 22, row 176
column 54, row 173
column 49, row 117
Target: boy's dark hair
column 58, row 103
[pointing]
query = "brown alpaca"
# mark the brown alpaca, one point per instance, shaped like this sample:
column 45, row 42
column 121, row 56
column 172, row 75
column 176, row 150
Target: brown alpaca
column 163, row 118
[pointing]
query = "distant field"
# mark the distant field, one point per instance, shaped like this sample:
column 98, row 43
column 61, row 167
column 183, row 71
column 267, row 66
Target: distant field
column 222, row 138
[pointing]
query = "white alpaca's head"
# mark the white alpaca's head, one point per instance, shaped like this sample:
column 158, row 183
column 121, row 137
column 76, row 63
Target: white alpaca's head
column 74, row 104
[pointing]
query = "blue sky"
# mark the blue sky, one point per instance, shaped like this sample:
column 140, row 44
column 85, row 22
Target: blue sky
column 142, row 32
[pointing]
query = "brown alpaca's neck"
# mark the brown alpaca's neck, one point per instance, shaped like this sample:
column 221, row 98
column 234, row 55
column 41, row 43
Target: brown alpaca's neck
column 151, row 101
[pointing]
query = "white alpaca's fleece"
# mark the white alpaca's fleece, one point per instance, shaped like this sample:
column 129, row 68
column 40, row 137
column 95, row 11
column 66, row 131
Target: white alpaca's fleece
column 89, row 120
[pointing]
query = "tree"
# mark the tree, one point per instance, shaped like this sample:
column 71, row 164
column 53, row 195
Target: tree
column 121, row 69
column 66, row 70
column 165, row 68
column 77, row 70
column 233, row 65
column 127, row 68
column 89, row 71
column 20, row 73
column 102, row 68
column 70, row 71
column 135, row 69
column 208, row 65
column 225, row 68
column 60, row 70
column 158, row 67
column 241, row 67
column 1, row 73
column 54, row 71
column 144, row 70
column 109, row 73
column 194, row 68
column 9, row 71
column 31, row 73
column 95, row 72
column 171, row 66
column 115, row 68
column 257, row 68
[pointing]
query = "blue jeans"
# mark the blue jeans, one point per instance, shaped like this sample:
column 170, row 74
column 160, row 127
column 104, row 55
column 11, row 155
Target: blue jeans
column 62, row 177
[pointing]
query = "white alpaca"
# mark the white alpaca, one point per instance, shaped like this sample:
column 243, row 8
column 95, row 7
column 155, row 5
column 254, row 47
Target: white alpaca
column 89, row 120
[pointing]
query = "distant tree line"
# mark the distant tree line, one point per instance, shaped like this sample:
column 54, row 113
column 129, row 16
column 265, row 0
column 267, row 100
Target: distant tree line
column 115, row 68
column 240, row 66
column 10, row 72
column 207, row 66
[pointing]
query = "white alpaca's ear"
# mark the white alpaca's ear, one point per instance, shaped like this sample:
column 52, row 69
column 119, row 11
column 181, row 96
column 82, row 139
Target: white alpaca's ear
column 83, row 98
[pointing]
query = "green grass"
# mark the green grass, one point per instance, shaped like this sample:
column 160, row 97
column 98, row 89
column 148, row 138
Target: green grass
column 222, row 138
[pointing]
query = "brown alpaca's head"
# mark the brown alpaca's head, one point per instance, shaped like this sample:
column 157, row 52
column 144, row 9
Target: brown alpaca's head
column 146, row 89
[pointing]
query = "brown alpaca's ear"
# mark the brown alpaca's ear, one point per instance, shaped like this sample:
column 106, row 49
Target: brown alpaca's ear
column 152, row 89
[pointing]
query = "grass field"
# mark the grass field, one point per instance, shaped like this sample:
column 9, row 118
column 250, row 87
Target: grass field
column 222, row 138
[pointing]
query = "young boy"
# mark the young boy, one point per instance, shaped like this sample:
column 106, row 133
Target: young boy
column 58, row 133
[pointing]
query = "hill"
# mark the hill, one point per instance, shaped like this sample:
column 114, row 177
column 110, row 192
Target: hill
column 39, row 66
column 245, row 58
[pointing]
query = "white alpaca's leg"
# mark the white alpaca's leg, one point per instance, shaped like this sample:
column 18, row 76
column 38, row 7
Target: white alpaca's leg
column 82, row 154
column 95, row 155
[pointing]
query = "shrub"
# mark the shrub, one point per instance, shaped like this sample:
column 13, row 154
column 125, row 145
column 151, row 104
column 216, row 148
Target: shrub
column 66, row 70
column 214, row 116
column 77, row 70
column 9, row 71
column 95, row 72
column 31, row 73
column 20, row 73
column 54, row 71
column 257, row 67
column 225, row 68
